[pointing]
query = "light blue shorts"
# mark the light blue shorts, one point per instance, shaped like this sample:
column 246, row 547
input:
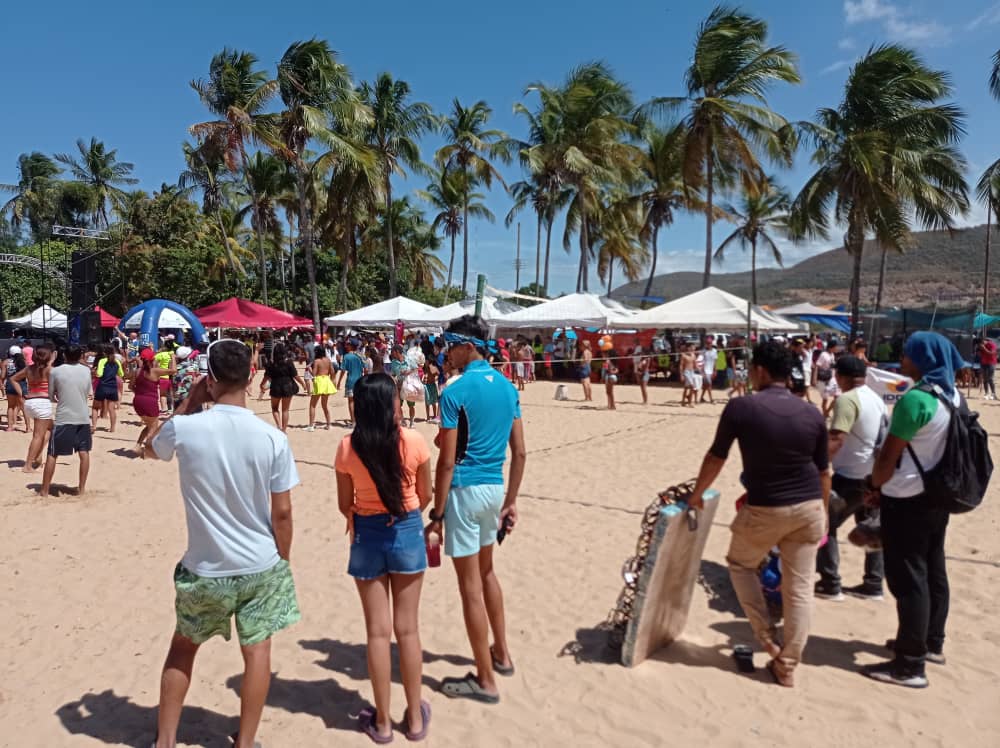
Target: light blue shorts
column 471, row 519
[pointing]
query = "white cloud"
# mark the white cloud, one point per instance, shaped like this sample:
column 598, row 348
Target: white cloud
column 859, row 11
column 917, row 32
column 988, row 17
column 846, row 44
column 834, row 67
column 898, row 23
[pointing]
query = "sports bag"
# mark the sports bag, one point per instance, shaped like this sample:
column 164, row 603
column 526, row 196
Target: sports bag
column 958, row 482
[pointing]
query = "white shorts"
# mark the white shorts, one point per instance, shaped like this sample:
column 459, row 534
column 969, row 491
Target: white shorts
column 39, row 407
column 692, row 379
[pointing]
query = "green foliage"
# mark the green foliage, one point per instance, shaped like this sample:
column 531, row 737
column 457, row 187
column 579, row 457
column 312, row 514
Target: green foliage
column 22, row 289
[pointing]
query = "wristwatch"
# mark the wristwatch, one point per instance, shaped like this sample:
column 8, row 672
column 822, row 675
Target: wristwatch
column 433, row 517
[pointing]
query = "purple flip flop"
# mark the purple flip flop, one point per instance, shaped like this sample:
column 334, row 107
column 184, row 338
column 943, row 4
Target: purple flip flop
column 366, row 723
column 425, row 715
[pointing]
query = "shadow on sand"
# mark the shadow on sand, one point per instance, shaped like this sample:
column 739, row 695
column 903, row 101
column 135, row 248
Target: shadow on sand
column 116, row 720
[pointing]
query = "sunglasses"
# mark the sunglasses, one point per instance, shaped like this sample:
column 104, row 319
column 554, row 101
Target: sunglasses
column 208, row 354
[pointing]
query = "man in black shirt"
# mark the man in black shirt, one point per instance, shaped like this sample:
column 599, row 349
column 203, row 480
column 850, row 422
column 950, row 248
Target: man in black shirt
column 783, row 442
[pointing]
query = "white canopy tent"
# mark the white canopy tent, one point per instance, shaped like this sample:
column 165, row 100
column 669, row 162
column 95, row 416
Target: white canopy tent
column 711, row 308
column 45, row 317
column 383, row 314
column 494, row 311
column 574, row 310
column 169, row 320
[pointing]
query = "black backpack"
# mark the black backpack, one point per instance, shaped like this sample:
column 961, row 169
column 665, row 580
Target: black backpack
column 958, row 482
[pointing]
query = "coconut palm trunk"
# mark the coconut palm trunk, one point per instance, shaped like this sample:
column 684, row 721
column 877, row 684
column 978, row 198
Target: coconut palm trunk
column 451, row 267
column 465, row 243
column 855, row 246
column 390, row 251
column 261, row 255
column 986, row 269
column 548, row 248
column 538, row 251
column 706, row 279
column 581, row 284
column 652, row 267
column 753, row 270
column 611, row 273
column 305, row 238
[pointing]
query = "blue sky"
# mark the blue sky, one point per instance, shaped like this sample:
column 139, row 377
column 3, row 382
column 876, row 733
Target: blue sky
column 120, row 71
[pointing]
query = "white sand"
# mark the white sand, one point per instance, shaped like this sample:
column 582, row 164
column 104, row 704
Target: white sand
column 88, row 610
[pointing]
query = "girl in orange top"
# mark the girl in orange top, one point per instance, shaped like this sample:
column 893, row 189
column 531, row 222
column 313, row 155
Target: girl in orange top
column 383, row 483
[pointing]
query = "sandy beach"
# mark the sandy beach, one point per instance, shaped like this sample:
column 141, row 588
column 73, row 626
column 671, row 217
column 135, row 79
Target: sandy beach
column 88, row 609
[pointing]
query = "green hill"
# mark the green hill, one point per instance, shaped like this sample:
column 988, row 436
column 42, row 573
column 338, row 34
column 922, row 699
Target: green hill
column 938, row 268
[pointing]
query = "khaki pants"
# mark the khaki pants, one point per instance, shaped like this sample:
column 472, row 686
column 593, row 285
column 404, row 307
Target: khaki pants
column 796, row 530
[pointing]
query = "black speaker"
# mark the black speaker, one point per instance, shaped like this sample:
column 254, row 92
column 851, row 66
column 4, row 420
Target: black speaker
column 83, row 293
column 91, row 333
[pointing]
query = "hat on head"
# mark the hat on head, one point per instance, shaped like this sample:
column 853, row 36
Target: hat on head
column 851, row 366
column 798, row 341
column 184, row 352
column 146, row 354
column 13, row 350
column 170, row 337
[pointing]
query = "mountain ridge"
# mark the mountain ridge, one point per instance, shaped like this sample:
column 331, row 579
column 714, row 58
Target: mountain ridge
column 939, row 267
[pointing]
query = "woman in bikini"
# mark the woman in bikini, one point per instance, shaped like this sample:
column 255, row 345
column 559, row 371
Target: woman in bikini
column 322, row 386
column 37, row 404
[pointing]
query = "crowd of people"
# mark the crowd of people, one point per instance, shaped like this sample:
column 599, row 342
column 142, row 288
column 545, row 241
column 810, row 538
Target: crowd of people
column 805, row 477
column 236, row 476
column 807, row 471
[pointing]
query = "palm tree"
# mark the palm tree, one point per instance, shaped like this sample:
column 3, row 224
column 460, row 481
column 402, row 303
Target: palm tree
column 884, row 156
column 102, row 171
column 588, row 119
column 995, row 76
column 33, row 194
column 396, row 124
column 762, row 213
column 548, row 195
column 615, row 228
column 728, row 121
column 988, row 192
column 469, row 151
column 266, row 179
column 237, row 95
column 316, row 90
column 206, row 172
column 663, row 191
column 447, row 196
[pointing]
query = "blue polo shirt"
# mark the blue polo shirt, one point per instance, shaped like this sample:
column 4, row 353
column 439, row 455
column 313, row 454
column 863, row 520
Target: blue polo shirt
column 482, row 404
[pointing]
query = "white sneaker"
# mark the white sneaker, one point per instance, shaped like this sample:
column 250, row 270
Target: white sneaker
column 310, row 428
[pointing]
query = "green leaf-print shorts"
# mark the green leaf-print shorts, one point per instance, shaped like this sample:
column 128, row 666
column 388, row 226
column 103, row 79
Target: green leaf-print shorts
column 263, row 604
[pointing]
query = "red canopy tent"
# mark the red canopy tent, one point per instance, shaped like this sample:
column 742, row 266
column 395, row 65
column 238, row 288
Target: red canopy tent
column 248, row 314
column 107, row 320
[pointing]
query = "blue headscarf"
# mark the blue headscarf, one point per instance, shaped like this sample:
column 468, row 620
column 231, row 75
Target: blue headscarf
column 936, row 357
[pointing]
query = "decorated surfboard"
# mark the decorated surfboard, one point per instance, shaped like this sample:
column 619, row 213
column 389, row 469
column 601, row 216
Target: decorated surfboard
column 659, row 580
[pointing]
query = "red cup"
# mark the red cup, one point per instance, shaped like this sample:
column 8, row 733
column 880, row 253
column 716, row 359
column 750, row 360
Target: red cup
column 433, row 550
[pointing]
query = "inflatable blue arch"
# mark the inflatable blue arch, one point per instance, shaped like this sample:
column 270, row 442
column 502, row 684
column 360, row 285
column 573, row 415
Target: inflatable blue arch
column 151, row 311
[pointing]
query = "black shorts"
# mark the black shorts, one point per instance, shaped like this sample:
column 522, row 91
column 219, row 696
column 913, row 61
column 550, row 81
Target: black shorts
column 69, row 438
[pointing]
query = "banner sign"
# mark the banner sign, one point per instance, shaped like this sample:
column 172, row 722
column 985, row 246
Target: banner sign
column 890, row 387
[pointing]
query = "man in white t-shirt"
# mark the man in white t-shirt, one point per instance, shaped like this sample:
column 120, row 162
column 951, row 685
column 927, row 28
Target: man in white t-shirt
column 236, row 476
column 860, row 423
